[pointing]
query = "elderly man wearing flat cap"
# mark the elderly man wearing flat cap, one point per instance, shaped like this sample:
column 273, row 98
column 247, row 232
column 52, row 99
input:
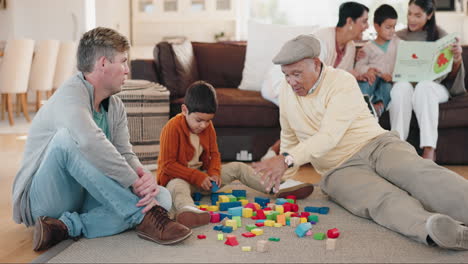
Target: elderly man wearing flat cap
column 366, row 169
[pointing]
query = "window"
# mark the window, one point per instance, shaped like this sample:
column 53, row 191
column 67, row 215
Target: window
column 223, row 5
column 170, row 5
column 198, row 5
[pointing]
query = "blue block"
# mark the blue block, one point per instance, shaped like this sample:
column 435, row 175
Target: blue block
column 226, row 206
column 324, row 210
column 223, row 215
column 288, row 223
column 260, row 221
column 262, row 201
column 313, row 223
column 197, row 203
column 281, row 201
column 218, row 227
column 311, row 209
column 197, row 196
column 239, row 193
column 214, row 186
column 227, row 229
column 302, row 229
column 235, row 211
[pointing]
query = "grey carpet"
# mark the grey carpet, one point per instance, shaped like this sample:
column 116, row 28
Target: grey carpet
column 360, row 241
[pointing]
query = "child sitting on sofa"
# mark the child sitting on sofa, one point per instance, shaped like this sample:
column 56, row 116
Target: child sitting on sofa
column 189, row 159
column 379, row 59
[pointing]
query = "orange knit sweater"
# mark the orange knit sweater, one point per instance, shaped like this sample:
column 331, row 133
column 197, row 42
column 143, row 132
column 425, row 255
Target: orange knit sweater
column 176, row 151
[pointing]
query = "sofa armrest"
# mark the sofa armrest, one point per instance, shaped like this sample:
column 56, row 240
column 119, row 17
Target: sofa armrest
column 144, row 69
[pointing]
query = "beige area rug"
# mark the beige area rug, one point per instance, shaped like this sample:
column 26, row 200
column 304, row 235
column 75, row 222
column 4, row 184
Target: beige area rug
column 21, row 126
column 360, row 241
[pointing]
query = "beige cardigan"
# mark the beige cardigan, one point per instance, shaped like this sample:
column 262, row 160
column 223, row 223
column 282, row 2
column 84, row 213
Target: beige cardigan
column 377, row 58
column 327, row 36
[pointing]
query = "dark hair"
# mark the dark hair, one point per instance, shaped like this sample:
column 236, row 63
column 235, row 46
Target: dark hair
column 201, row 98
column 383, row 13
column 430, row 27
column 350, row 9
column 99, row 42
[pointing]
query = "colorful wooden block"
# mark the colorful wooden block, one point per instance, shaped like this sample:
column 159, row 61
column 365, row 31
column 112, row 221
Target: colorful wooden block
column 279, row 209
column 226, row 206
column 257, row 231
column 232, row 223
column 231, row 241
column 248, row 234
column 333, row 233
column 262, row 246
column 218, row 227
column 277, row 225
column 224, row 215
column 313, row 218
column 227, row 229
column 302, row 229
column 223, row 199
column 319, row 236
column 281, row 219
column 214, row 186
column 213, row 208
column 281, row 201
column 238, row 220
column 220, row 237
column 239, row 193
column 250, row 227
column 259, row 224
column 201, row 236
column 262, row 201
column 275, row 239
column 215, row 218
column 197, row 196
column 305, row 214
column 232, row 198
column 303, row 220
column 260, row 214
column 331, row 244
column 243, row 202
column 235, row 211
column 247, row 212
column 311, row 209
column 269, row 223
column 291, row 197
column 246, row 248
column 324, row 210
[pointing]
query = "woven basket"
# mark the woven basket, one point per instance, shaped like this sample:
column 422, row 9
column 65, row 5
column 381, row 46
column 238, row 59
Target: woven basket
column 147, row 106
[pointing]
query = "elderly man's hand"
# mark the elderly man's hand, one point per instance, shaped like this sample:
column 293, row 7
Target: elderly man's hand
column 146, row 188
column 271, row 171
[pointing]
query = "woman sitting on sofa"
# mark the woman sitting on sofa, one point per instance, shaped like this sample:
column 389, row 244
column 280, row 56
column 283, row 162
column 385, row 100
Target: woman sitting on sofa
column 337, row 50
column 424, row 98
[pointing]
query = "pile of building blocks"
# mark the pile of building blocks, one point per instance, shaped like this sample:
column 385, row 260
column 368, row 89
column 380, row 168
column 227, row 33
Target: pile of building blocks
column 229, row 207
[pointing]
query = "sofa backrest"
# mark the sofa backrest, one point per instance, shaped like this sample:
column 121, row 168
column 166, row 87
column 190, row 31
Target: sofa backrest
column 220, row 64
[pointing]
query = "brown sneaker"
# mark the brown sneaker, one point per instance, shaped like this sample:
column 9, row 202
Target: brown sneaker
column 48, row 232
column 192, row 217
column 299, row 189
column 158, row 227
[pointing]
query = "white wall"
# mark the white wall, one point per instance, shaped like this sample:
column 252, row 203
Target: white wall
column 6, row 22
column 114, row 14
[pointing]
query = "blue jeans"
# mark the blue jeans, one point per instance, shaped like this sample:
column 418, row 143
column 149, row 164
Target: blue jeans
column 68, row 187
column 378, row 91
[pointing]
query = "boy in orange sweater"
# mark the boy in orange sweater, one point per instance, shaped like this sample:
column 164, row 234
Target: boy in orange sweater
column 189, row 159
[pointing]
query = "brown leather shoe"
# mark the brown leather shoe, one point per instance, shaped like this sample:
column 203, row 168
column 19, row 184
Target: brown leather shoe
column 192, row 217
column 158, row 227
column 48, row 232
column 299, row 189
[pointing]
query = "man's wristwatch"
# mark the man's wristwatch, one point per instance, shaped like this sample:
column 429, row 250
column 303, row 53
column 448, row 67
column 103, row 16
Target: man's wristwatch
column 288, row 159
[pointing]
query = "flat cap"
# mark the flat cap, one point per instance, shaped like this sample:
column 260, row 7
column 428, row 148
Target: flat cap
column 298, row 48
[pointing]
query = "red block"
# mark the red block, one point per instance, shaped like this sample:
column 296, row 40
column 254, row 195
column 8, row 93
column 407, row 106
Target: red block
column 260, row 224
column 294, row 207
column 267, row 209
column 231, row 241
column 250, row 205
column 287, row 207
column 260, row 214
column 292, row 197
column 203, row 209
column 333, row 233
column 248, row 234
column 294, row 214
column 215, row 218
column 201, row 236
column 305, row 214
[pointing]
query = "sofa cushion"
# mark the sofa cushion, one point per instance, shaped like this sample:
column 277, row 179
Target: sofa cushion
column 220, row 63
column 238, row 108
column 186, row 66
column 454, row 113
column 165, row 64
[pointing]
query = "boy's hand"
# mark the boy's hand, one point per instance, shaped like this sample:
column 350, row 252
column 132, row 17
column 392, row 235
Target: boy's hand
column 216, row 179
column 386, row 77
column 206, row 184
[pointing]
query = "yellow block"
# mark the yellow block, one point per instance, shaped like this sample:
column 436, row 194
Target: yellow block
column 303, row 220
column 232, row 223
column 213, row 208
column 227, row 191
column 278, row 225
column 257, row 206
column 204, row 206
column 247, row 248
column 247, row 212
column 223, row 199
column 279, row 208
column 269, row 223
column 257, row 231
column 244, row 202
column 220, row 237
column 288, row 214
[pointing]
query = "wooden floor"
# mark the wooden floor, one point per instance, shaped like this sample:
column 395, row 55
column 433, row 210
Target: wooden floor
column 16, row 240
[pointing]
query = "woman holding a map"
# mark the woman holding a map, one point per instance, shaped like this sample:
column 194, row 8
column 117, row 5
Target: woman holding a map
column 420, row 92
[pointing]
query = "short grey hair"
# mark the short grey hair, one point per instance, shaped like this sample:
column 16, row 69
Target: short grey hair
column 99, row 42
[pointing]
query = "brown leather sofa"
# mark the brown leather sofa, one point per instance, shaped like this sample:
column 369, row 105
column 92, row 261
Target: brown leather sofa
column 245, row 121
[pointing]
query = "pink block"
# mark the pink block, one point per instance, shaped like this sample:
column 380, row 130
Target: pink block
column 215, row 218
column 309, row 233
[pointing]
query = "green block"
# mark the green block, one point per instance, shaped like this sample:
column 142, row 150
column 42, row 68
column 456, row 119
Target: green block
column 290, row 200
column 250, row 227
column 313, row 218
column 254, row 213
column 232, row 198
column 238, row 220
column 271, row 217
column 220, row 237
column 276, row 239
column 240, row 198
column 319, row 236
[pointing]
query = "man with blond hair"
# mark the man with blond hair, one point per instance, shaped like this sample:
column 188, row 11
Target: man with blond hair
column 79, row 175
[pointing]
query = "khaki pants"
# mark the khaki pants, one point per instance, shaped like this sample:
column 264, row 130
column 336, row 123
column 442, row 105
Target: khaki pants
column 388, row 182
column 181, row 190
